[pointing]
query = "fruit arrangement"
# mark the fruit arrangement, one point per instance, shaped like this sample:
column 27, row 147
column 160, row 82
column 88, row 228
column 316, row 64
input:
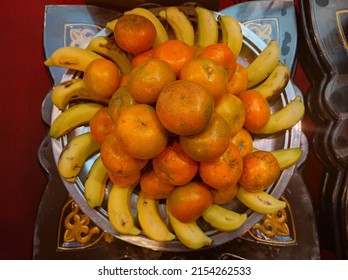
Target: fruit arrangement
column 170, row 114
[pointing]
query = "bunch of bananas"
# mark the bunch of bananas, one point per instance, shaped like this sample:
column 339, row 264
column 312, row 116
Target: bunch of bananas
column 266, row 74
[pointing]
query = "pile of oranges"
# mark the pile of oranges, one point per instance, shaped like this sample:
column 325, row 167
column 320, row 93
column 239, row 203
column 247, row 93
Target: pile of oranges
column 179, row 124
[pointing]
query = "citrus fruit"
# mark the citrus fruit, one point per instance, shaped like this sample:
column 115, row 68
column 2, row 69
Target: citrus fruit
column 184, row 107
column 119, row 101
column 153, row 187
column 243, row 141
column 134, row 33
column 100, row 125
column 188, row 202
column 140, row 133
column 260, row 170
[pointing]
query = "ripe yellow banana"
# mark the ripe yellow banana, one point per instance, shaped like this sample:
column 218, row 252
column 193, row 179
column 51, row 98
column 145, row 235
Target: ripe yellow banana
column 207, row 27
column 223, row 219
column 75, row 154
column 180, row 23
column 75, row 116
column 287, row 157
column 275, row 83
column 262, row 66
column 260, row 202
column 111, row 24
column 95, row 183
column 162, row 35
column 107, row 47
column 284, row 118
column 72, row 90
column 119, row 210
column 72, row 58
column 190, row 234
column 231, row 33
column 150, row 220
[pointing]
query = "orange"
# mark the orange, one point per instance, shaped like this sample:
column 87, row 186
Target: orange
column 257, row 109
column 124, row 181
column 224, row 171
column 210, row 143
column 177, row 53
column 184, row 107
column 140, row 133
column 260, row 170
column 221, row 54
column 153, row 187
column 102, row 78
column 222, row 196
column 134, row 33
column 243, row 141
column 232, row 109
column 174, row 166
column 207, row 73
column 123, row 80
column 117, row 160
column 119, row 101
column 148, row 79
column 142, row 57
column 188, row 202
column 239, row 81
column 100, row 125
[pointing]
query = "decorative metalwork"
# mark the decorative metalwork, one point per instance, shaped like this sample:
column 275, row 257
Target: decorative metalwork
column 277, row 228
column 342, row 24
column 77, row 231
column 78, row 35
column 267, row 29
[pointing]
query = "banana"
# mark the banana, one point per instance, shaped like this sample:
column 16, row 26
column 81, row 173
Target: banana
column 262, row 66
column 162, row 35
column 74, row 116
column 72, row 58
column 150, row 220
column 284, row 118
column 74, row 155
column 287, row 157
column 119, row 210
column 231, row 33
column 260, row 202
column 179, row 22
column 275, row 83
column 107, row 47
column 207, row 27
column 95, row 183
column 223, row 219
column 190, row 234
column 111, row 24
column 72, row 90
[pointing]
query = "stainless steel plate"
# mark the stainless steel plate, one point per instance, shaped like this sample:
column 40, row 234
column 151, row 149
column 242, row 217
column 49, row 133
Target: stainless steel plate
column 287, row 139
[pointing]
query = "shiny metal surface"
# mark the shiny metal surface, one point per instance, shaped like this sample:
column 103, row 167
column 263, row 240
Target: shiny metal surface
column 288, row 139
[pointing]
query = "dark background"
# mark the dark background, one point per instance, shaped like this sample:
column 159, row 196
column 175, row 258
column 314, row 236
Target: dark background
column 24, row 84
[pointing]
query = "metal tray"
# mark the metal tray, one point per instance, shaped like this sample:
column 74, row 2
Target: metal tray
column 252, row 46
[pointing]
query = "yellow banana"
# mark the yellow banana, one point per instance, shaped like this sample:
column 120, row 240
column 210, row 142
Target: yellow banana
column 287, row 157
column 223, row 219
column 107, row 47
column 231, row 33
column 72, row 90
column 284, row 118
column 150, row 220
column 260, row 202
column 75, row 154
column 111, row 24
column 162, row 35
column 207, row 27
column 262, row 66
column 74, row 116
column 275, row 83
column 119, row 210
column 190, row 234
column 95, row 183
column 72, row 58
column 180, row 23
